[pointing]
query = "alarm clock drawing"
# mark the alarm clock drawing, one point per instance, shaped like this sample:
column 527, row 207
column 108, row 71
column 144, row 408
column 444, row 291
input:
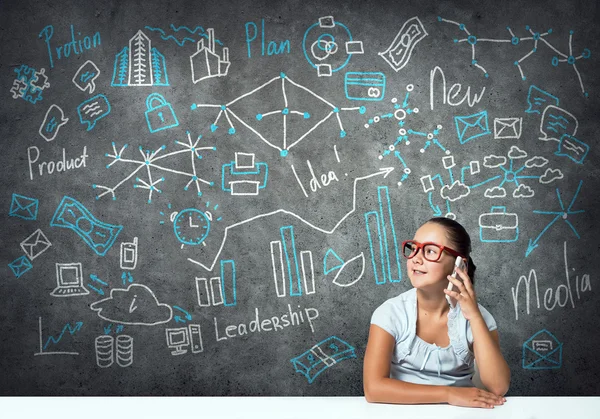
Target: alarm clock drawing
column 191, row 226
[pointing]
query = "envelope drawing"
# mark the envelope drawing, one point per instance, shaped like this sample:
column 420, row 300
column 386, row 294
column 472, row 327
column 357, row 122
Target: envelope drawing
column 20, row 266
column 542, row 351
column 23, row 207
column 36, row 244
column 507, row 128
column 471, row 126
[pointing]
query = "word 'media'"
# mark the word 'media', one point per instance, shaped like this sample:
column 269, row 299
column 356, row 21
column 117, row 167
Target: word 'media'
column 274, row 323
column 49, row 167
column 76, row 46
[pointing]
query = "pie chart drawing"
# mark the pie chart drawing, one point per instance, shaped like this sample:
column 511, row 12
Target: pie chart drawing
column 343, row 277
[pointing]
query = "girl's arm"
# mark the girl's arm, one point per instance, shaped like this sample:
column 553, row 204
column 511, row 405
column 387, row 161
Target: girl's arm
column 377, row 384
column 493, row 369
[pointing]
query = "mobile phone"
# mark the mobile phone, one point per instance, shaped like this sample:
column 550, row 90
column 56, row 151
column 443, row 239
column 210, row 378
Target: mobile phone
column 460, row 263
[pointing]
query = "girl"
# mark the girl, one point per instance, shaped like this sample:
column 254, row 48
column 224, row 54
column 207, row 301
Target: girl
column 417, row 339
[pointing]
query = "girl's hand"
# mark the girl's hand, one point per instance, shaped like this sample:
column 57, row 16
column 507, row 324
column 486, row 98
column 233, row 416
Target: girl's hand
column 473, row 397
column 465, row 296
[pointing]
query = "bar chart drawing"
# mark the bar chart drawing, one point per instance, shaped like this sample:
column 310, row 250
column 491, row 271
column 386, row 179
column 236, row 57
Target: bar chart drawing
column 218, row 290
column 383, row 243
column 290, row 269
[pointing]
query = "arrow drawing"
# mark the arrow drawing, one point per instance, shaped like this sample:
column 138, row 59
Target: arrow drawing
column 385, row 171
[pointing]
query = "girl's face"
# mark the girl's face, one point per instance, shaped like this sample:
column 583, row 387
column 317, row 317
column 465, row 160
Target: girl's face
column 424, row 273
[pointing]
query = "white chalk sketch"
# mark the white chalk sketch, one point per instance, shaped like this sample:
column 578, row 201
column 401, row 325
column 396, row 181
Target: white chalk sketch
column 148, row 163
column 209, row 267
column 516, row 173
column 139, row 64
column 206, row 63
column 287, row 264
column 129, row 255
column 212, row 296
column 53, row 120
column 181, row 338
column 69, row 280
column 400, row 50
column 85, row 77
column 343, row 278
column 136, row 305
column 556, row 122
column 36, row 244
column 507, row 128
column 105, row 351
column 563, row 293
column 285, row 112
column 43, row 349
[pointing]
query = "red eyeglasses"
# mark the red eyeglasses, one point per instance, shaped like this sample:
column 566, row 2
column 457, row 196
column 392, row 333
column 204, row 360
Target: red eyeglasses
column 431, row 251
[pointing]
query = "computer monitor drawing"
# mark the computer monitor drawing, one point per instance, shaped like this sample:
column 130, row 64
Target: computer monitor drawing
column 69, row 280
column 177, row 339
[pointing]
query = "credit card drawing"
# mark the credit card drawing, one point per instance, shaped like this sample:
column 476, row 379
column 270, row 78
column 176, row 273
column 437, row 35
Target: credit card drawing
column 322, row 356
column 99, row 236
column 398, row 53
column 364, row 86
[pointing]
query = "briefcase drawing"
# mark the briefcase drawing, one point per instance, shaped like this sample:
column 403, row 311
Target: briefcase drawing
column 159, row 113
column 498, row 226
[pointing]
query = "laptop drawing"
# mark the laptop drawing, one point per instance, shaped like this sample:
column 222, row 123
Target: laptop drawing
column 69, row 280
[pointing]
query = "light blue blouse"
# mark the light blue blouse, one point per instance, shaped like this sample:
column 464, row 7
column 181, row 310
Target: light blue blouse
column 420, row 362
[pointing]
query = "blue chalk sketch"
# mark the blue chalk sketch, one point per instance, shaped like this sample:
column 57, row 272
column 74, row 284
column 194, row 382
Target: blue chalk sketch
column 92, row 110
column 400, row 113
column 228, row 283
column 386, row 263
column 191, row 226
column 498, row 226
column 291, row 256
column 472, row 126
column 29, row 83
column 322, row 356
column 20, row 265
column 563, row 214
column 542, row 351
column 98, row 235
column 23, row 207
column 244, row 176
column 159, row 113
column 535, row 37
column 139, row 64
column 331, row 261
column 364, row 86
column 96, row 288
column 572, row 148
column 67, row 328
column 515, row 175
column 327, row 39
column 539, row 99
column 181, row 39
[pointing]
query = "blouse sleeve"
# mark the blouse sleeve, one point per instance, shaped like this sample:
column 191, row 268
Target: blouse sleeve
column 387, row 317
column 489, row 321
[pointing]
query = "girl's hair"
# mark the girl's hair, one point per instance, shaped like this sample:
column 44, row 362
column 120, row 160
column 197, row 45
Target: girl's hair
column 457, row 234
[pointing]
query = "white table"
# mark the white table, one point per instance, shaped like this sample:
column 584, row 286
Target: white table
column 286, row 407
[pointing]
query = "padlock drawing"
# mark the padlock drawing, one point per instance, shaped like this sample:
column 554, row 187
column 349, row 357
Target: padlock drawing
column 206, row 63
column 159, row 113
